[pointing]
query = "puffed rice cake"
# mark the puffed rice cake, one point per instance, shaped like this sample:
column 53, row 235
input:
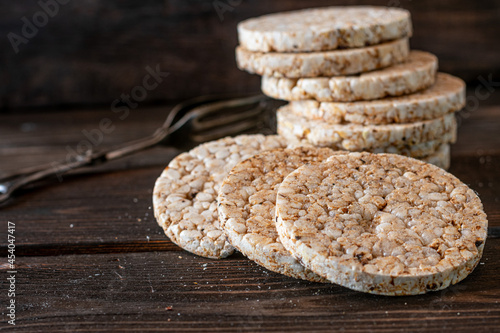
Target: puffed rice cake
column 374, row 138
column 446, row 95
column 381, row 223
column 247, row 199
column 327, row 63
column 416, row 73
column 440, row 157
column 184, row 196
column 321, row 29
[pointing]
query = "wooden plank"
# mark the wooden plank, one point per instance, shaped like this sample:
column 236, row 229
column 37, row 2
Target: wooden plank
column 92, row 52
column 133, row 292
column 102, row 208
column 477, row 132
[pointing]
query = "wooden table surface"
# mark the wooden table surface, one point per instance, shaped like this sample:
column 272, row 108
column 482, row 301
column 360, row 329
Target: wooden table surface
column 90, row 256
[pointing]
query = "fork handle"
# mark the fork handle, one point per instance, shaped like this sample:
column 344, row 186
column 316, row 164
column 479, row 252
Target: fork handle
column 10, row 184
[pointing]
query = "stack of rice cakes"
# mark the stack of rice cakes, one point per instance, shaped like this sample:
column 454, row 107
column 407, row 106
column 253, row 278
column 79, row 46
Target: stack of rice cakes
column 377, row 223
column 352, row 82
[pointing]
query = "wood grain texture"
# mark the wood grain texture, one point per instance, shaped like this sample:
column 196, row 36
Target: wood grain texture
column 92, row 52
column 135, row 292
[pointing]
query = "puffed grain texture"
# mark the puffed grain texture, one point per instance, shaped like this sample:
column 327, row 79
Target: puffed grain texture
column 381, row 223
column 418, row 72
column 327, row 63
column 184, row 196
column 446, row 95
column 247, row 199
column 321, row 29
column 373, row 138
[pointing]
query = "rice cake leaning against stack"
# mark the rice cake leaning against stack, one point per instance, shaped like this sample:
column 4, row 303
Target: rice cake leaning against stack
column 184, row 196
column 381, row 223
column 350, row 77
column 247, row 199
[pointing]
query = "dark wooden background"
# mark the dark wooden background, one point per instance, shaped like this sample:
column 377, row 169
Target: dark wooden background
column 91, row 52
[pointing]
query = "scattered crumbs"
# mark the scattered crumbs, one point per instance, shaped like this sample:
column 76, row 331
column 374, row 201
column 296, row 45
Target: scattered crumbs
column 139, row 220
column 195, row 282
column 205, row 265
column 178, row 313
column 481, row 263
column 71, row 226
column 121, row 267
column 169, row 308
column 135, row 200
column 97, row 274
column 386, row 312
column 406, row 303
column 180, row 257
column 169, row 319
column 146, row 214
column 147, row 237
column 458, row 313
column 149, row 207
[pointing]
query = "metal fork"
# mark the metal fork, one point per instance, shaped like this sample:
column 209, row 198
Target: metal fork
column 189, row 123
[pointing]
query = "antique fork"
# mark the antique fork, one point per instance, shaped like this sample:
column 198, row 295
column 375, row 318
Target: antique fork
column 189, row 123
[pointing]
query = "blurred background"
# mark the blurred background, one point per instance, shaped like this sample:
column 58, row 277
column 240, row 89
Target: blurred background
column 66, row 54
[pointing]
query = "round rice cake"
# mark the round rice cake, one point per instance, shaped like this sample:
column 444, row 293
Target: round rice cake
column 416, row 73
column 419, row 150
column 440, row 158
column 381, row 223
column 320, row 29
column 446, row 95
column 374, row 138
column 247, row 199
column 184, row 196
column 433, row 152
column 328, row 63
